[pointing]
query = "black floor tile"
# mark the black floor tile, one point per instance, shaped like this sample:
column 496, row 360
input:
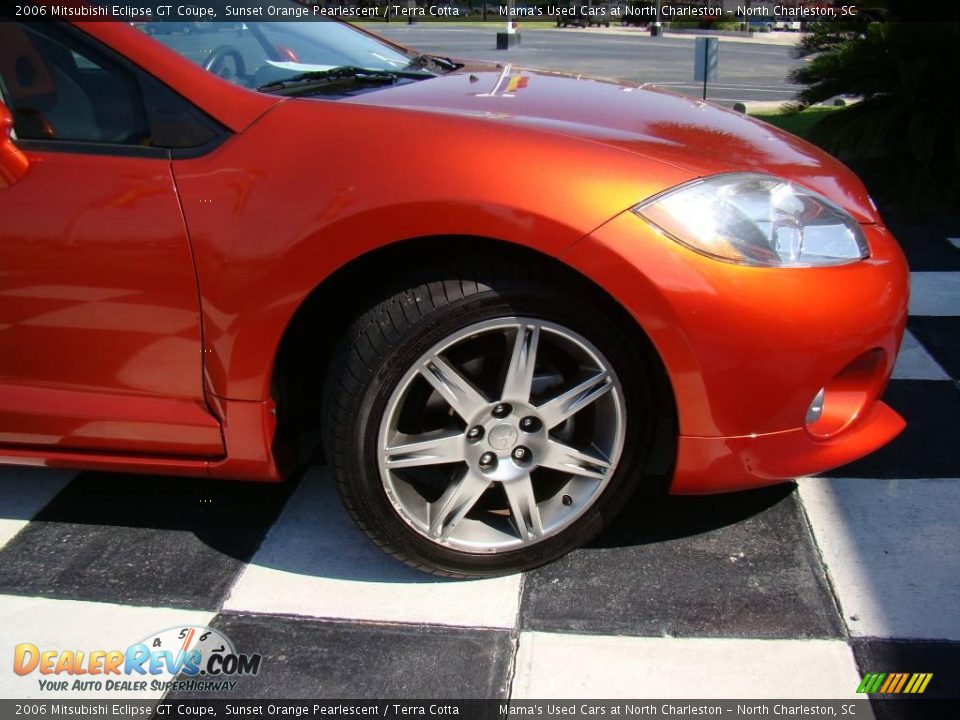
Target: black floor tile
column 910, row 656
column 926, row 246
column 737, row 565
column 930, row 444
column 941, row 337
column 141, row 540
column 306, row 658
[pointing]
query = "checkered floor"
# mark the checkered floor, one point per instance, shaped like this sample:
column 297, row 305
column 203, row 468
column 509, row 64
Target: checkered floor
column 787, row 592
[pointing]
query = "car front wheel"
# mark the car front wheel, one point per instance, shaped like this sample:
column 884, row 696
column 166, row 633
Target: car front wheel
column 482, row 425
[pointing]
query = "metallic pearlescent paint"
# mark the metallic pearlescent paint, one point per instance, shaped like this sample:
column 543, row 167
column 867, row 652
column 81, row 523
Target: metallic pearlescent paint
column 142, row 305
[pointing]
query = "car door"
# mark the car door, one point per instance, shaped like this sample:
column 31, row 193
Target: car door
column 100, row 336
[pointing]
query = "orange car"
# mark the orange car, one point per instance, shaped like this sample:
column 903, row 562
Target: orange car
column 500, row 300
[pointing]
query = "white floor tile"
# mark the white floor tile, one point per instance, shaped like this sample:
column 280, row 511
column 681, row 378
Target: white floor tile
column 935, row 293
column 584, row 666
column 23, row 493
column 316, row 562
column 85, row 626
column 890, row 550
column 915, row 363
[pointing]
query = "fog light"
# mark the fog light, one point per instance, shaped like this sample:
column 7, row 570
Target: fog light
column 848, row 394
column 816, row 407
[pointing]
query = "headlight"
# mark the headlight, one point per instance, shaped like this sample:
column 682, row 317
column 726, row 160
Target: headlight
column 757, row 220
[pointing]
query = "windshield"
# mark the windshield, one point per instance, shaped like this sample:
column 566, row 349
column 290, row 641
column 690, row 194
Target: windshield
column 259, row 53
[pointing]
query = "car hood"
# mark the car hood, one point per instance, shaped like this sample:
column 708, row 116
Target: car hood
column 689, row 134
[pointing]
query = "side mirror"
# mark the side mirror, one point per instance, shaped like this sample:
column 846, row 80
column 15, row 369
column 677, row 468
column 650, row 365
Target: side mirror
column 13, row 163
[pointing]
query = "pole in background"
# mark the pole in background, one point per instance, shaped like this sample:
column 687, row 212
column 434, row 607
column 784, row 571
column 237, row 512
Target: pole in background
column 656, row 30
column 706, row 60
column 510, row 37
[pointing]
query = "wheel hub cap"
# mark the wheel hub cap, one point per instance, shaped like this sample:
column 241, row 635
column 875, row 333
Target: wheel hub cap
column 503, row 437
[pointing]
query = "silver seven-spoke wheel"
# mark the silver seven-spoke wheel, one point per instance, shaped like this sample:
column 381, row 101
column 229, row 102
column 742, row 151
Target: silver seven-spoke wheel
column 494, row 416
column 501, row 435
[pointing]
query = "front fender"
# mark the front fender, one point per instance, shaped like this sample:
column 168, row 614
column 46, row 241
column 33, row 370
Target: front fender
column 315, row 184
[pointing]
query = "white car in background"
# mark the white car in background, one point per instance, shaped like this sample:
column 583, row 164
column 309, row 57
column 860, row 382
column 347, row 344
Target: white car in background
column 790, row 25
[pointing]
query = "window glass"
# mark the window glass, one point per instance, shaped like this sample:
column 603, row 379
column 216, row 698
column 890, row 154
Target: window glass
column 263, row 52
column 58, row 90
column 174, row 122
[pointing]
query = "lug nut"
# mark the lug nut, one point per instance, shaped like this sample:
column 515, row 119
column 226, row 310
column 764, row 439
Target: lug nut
column 501, row 410
column 529, row 424
column 475, row 433
column 567, row 500
column 488, row 460
column 520, row 454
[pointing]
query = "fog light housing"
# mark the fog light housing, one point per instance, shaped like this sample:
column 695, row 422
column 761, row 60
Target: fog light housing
column 847, row 395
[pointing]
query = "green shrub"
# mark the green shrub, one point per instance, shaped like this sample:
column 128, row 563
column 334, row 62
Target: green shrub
column 904, row 136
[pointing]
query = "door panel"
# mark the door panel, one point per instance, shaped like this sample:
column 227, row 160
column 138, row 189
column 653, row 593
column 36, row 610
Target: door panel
column 99, row 314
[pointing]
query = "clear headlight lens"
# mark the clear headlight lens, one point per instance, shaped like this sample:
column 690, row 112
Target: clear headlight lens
column 757, row 220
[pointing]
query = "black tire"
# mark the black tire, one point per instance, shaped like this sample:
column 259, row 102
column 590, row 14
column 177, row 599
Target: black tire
column 384, row 342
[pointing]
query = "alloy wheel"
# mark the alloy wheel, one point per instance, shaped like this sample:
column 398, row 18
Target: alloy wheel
column 501, row 435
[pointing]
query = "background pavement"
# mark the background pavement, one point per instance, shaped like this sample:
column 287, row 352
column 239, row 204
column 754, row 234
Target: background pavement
column 787, row 592
column 748, row 70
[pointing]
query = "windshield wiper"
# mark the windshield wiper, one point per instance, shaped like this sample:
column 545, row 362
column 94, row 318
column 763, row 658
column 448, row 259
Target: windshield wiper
column 441, row 63
column 346, row 75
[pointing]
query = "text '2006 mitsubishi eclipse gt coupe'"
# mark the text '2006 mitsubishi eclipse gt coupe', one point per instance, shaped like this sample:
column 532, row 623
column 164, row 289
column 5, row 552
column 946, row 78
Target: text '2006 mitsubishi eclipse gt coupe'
column 500, row 300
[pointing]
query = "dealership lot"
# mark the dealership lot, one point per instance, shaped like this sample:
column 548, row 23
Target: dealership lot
column 748, row 71
column 791, row 591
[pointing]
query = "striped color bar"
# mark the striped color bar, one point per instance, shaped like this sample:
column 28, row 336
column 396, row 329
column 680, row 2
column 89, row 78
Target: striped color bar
column 893, row 683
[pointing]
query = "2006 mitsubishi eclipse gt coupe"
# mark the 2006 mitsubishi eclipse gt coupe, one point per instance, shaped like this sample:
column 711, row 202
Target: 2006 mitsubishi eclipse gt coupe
column 500, row 300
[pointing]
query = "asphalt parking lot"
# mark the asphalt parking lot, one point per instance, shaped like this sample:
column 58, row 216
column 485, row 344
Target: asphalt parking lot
column 748, row 71
column 792, row 591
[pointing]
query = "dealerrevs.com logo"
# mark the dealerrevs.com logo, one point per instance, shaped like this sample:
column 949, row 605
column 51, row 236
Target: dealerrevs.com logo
column 201, row 658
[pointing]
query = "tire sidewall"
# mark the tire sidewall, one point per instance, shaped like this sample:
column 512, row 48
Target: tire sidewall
column 366, row 485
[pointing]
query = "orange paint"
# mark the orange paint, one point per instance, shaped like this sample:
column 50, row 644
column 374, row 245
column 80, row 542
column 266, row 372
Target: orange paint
column 169, row 284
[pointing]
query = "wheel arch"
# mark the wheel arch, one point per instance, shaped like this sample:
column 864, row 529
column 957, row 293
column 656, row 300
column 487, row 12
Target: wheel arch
column 296, row 383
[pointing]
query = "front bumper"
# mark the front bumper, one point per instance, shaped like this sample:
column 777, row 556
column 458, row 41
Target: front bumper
column 747, row 349
column 706, row 465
